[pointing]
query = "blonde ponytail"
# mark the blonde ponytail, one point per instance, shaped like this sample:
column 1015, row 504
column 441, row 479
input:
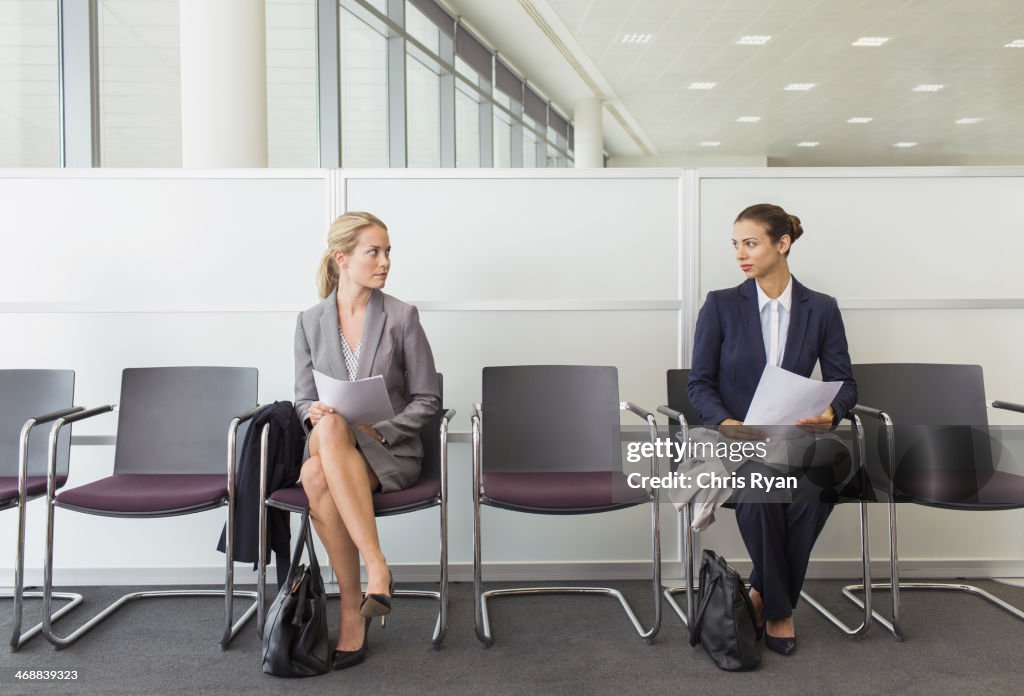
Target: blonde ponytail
column 343, row 235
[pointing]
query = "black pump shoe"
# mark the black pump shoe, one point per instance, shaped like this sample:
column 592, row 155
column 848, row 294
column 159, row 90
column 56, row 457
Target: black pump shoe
column 378, row 604
column 783, row 646
column 343, row 659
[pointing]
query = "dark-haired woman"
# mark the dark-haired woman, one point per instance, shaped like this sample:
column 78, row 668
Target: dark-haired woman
column 770, row 318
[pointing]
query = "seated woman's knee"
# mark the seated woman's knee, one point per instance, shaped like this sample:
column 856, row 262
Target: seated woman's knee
column 314, row 483
column 335, row 427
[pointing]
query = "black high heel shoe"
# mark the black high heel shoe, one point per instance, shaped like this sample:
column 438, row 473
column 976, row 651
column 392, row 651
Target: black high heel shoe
column 343, row 659
column 783, row 646
column 378, row 604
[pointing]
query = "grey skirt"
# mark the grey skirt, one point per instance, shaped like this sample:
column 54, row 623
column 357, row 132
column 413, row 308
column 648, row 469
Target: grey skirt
column 394, row 473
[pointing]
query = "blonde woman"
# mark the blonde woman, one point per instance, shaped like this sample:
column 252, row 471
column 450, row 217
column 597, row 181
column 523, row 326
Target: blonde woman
column 355, row 332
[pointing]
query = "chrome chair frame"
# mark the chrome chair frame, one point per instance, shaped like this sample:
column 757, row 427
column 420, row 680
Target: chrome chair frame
column 18, row 594
column 686, row 552
column 480, row 614
column 895, row 585
column 229, row 592
column 441, row 501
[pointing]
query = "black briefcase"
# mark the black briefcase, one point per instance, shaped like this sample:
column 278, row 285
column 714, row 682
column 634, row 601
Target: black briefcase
column 295, row 642
column 725, row 623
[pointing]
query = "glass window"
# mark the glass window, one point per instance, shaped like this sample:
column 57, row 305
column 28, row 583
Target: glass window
column 292, row 118
column 464, row 68
column 502, row 139
column 419, row 27
column 364, row 94
column 467, row 126
column 529, row 148
column 139, row 83
column 423, row 113
column 29, row 120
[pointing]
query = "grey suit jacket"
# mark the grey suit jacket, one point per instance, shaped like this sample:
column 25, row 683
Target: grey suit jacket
column 393, row 345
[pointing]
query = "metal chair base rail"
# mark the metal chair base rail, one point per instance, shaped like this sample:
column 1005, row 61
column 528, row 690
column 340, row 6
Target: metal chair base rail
column 61, row 642
column 18, row 638
column 849, row 591
column 483, row 631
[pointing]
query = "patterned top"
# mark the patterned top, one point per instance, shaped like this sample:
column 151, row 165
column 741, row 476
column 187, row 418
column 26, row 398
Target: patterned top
column 351, row 357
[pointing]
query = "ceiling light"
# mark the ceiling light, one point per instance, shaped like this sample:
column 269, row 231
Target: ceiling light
column 710, row 143
column 635, row 38
column 800, row 86
column 873, row 41
column 808, row 143
column 968, row 121
column 904, row 144
column 1016, row 43
column 928, row 88
column 702, row 85
column 753, row 40
column 748, row 119
column 859, row 119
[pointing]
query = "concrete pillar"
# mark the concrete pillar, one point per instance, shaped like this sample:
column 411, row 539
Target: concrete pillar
column 589, row 134
column 223, row 83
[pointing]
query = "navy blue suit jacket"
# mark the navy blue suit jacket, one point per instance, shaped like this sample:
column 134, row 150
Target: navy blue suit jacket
column 728, row 350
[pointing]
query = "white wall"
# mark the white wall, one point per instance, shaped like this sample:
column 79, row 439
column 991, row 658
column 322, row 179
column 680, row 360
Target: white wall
column 108, row 269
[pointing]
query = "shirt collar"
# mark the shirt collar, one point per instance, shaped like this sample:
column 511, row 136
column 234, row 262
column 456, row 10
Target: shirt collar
column 785, row 299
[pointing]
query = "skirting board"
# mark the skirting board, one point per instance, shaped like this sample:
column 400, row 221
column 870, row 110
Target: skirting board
column 540, row 572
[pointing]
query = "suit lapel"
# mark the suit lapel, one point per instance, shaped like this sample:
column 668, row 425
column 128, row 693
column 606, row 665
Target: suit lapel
column 330, row 333
column 800, row 310
column 373, row 327
column 751, row 321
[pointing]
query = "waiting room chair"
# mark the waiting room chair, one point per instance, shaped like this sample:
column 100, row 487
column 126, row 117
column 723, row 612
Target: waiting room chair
column 169, row 460
column 431, row 490
column 682, row 412
column 929, row 438
column 30, row 398
column 546, row 440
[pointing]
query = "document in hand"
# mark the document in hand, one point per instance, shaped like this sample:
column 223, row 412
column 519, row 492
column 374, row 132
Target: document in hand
column 783, row 398
column 362, row 401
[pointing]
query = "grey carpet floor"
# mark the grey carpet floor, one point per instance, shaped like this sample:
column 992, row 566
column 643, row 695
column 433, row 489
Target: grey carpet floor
column 955, row 644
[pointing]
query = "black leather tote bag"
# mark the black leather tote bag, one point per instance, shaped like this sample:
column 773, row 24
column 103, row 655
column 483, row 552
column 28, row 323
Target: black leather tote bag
column 725, row 623
column 295, row 640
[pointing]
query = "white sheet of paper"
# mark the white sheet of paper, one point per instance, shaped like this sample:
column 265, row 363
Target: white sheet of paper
column 783, row 398
column 362, row 401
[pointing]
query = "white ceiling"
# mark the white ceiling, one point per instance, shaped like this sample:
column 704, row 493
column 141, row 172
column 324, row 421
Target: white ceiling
column 957, row 43
column 571, row 50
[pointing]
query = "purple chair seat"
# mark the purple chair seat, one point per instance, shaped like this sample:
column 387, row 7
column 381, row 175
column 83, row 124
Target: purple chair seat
column 562, row 491
column 36, row 485
column 425, row 490
column 958, row 488
column 147, row 493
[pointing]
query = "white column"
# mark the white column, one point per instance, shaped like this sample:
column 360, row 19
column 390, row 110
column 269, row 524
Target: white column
column 223, row 83
column 589, row 134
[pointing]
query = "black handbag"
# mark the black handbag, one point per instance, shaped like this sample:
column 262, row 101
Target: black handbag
column 725, row 623
column 295, row 640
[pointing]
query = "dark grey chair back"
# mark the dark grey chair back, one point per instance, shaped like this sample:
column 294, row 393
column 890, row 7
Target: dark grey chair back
column 174, row 420
column 944, row 452
column 551, row 418
column 25, row 394
column 679, row 398
column 431, row 465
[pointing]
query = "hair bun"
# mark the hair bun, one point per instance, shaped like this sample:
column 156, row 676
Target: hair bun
column 798, row 230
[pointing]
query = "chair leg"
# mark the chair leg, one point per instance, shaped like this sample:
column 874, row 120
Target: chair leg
column 894, row 585
column 231, row 630
column 483, row 623
column 865, row 559
column 686, row 560
column 60, row 642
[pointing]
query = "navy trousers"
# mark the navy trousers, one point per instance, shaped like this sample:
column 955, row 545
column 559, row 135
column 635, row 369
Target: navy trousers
column 779, row 528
